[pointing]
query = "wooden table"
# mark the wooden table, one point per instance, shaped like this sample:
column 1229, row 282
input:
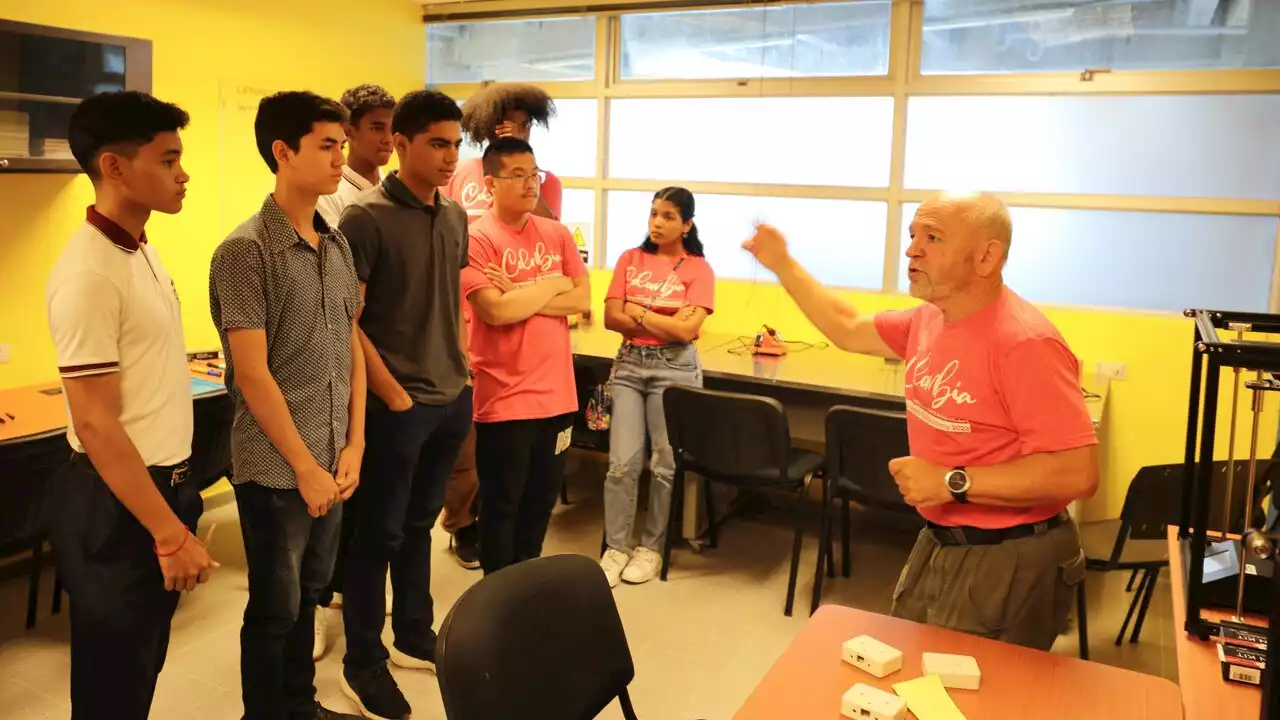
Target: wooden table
column 827, row 371
column 40, row 410
column 806, row 683
column 1205, row 695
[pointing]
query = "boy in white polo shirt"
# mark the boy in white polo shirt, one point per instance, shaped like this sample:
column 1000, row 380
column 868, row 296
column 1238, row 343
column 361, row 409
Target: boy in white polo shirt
column 369, row 148
column 122, row 526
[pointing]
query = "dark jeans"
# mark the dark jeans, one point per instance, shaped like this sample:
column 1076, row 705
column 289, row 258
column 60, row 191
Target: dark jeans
column 350, row 511
column 290, row 556
column 521, row 466
column 407, row 460
column 120, row 611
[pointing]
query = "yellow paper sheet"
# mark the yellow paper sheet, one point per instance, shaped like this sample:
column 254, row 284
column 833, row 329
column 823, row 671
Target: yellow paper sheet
column 927, row 699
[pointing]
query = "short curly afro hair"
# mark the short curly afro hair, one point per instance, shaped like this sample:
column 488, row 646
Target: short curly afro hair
column 483, row 112
column 360, row 99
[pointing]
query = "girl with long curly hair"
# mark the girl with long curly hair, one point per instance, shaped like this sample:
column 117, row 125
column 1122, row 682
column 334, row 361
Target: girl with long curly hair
column 502, row 110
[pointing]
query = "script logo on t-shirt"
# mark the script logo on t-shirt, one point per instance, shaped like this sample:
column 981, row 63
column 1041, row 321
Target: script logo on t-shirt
column 515, row 262
column 939, row 389
column 475, row 198
column 643, row 282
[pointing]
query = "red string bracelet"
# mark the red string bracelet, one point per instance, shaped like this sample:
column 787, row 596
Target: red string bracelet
column 175, row 550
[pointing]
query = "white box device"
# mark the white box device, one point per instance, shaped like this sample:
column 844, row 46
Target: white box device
column 864, row 702
column 867, row 653
column 959, row 672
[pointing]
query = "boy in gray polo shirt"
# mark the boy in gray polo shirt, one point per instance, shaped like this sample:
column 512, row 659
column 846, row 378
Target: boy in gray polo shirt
column 410, row 245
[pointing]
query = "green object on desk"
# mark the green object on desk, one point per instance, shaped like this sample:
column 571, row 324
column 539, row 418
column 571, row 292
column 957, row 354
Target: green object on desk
column 204, row 387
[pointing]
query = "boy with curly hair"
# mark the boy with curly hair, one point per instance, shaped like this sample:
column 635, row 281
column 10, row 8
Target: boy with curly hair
column 503, row 110
column 369, row 148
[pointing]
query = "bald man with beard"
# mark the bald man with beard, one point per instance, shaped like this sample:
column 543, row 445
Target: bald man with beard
column 999, row 436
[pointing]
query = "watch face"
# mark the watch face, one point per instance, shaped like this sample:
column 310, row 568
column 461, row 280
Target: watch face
column 958, row 481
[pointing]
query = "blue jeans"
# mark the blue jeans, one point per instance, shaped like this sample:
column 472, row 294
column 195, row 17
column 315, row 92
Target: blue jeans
column 642, row 374
column 290, row 556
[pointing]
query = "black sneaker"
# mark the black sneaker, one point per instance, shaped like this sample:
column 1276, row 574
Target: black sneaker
column 465, row 544
column 375, row 692
column 423, row 658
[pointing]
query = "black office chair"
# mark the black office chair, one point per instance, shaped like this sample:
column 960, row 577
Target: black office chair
column 1138, row 540
column 739, row 440
column 539, row 639
column 211, row 441
column 26, row 469
column 860, row 444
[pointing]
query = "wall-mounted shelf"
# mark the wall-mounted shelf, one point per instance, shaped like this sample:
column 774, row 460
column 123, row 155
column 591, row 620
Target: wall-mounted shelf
column 44, row 73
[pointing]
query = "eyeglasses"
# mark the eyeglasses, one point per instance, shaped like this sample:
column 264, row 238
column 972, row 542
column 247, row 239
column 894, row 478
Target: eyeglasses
column 539, row 175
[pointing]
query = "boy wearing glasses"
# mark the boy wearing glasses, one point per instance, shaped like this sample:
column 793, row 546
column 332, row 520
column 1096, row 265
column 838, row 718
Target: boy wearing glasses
column 524, row 278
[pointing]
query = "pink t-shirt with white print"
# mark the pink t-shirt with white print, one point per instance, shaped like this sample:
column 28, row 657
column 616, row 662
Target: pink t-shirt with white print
column 466, row 188
column 642, row 277
column 994, row 387
column 524, row 370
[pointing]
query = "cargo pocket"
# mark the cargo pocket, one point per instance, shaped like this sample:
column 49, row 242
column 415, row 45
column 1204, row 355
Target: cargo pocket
column 986, row 582
column 1070, row 575
column 908, row 602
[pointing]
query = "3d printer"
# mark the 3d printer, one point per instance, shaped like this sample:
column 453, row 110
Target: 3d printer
column 1234, row 569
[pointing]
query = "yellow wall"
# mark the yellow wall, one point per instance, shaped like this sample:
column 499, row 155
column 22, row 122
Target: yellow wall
column 1145, row 416
column 320, row 45
column 325, row 46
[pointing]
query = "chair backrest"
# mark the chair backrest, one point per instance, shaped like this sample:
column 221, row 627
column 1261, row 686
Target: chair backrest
column 1154, row 497
column 725, row 434
column 860, row 444
column 539, row 639
column 211, row 442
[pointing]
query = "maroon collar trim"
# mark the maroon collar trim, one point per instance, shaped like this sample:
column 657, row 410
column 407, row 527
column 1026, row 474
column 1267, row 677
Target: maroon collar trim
column 112, row 231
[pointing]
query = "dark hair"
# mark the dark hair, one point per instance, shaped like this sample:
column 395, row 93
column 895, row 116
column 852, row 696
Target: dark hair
column 683, row 200
column 421, row 109
column 499, row 149
column 289, row 116
column 121, row 122
column 360, row 99
column 485, row 109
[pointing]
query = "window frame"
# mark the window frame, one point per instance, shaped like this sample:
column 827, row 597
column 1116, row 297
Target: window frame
column 902, row 81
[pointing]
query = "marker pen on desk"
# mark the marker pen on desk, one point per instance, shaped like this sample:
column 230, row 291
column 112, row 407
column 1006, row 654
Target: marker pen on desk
column 213, row 373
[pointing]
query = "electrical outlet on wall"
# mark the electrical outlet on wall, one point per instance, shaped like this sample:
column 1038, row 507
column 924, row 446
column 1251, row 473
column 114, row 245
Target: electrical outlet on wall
column 4, row 354
column 1113, row 370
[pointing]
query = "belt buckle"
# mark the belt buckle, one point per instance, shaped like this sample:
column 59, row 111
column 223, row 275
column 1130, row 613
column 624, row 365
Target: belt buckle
column 179, row 474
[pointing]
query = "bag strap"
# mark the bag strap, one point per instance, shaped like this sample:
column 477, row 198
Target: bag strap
column 613, row 370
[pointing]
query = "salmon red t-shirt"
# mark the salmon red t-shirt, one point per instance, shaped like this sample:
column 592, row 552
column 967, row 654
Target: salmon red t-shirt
column 997, row 386
column 524, row 370
column 466, row 188
column 641, row 277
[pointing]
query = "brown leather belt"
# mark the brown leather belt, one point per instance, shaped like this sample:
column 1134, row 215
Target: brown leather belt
column 964, row 535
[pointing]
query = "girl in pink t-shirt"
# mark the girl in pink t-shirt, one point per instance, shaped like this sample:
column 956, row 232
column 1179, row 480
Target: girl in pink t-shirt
column 660, row 294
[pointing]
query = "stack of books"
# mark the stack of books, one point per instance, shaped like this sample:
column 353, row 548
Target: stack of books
column 15, row 134
column 57, row 149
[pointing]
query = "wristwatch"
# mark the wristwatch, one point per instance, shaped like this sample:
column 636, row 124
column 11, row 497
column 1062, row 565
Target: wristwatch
column 958, row 483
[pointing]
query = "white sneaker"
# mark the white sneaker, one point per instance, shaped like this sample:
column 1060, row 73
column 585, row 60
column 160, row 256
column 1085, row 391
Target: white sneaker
column 613, row 563
column 322, row 634
column 644, row 566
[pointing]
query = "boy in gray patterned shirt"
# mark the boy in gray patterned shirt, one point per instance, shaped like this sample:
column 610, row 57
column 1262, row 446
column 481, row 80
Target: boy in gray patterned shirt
column 284, row 296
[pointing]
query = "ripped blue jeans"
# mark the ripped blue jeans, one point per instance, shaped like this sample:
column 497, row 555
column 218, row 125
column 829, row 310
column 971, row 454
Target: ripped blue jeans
column 641, row 376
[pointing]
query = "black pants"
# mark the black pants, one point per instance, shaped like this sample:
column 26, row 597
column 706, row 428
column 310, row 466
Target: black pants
column 408, row 457
column 290, row 556
column 521, row 466
column 120, row 611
